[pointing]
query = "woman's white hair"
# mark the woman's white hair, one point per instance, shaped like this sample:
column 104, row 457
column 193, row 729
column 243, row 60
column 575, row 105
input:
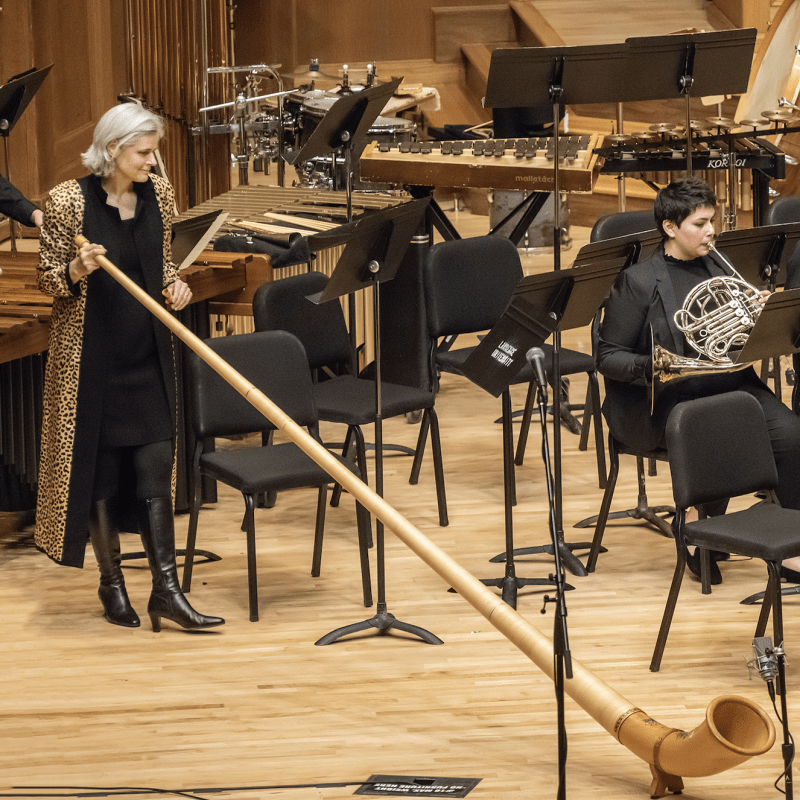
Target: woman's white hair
column 120, row 127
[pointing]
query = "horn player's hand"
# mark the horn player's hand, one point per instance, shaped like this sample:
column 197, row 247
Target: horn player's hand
column 178, row 295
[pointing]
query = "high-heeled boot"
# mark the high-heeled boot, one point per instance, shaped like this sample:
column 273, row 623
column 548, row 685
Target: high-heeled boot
column 157, row 527
column 105, row 542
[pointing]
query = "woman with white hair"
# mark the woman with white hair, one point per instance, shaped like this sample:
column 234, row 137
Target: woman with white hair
column 108, row 427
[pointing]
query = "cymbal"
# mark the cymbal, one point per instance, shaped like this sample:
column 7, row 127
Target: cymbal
column 778, row 114
column 663, row 127
column 620, row 138
column 310, row 75
column 751, row 123
column 722, row 122
column 647, row 136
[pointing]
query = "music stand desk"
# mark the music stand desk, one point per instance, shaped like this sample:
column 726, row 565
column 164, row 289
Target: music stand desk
column 760, row 254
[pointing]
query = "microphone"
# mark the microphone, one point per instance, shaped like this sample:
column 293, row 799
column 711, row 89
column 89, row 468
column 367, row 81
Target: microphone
column 765, row 658
column 535, row 357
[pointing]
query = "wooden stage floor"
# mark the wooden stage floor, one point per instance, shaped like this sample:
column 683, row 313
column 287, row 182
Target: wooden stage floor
column 253, row 709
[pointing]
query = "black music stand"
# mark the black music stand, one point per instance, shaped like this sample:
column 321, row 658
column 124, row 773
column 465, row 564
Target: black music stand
column 760, row 254
column 345, row 126
column 493, row 365
column 530, row 76
column 374, row 247
column 14, row 99
column 687, row 65
column 763, row 254
column 571, row 298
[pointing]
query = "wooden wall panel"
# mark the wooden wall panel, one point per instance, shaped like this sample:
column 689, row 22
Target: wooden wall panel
column 347, row 31
column 15, row 57
column 96, row 58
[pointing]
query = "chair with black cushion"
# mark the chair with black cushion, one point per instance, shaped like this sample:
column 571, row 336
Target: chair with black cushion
column 609, row 227
column 719, row 447
column 339, row 395
column 468, row 285
column 622, row 223
column 275, row 363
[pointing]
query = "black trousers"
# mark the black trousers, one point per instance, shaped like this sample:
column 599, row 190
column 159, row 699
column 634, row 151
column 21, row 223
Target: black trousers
column 149, row 464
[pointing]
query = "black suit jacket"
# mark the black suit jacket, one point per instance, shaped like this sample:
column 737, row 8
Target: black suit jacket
column 643, row 298
column 14, row 204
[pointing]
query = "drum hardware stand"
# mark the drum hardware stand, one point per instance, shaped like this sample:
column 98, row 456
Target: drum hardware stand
column 239, row 106
column 374, row 248
column 14, row 99
column 621, row 177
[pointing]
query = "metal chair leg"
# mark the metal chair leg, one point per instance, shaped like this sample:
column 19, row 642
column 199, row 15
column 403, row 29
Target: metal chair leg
column 669, row 610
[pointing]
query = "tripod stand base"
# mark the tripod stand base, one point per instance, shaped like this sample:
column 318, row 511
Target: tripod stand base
column 206, row 554
column 383, row 621
column 759, row 597
column 510, row 584
column 570, row 560
column 642, row 511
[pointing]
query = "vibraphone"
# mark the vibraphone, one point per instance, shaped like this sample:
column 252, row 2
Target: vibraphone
column 275, row 211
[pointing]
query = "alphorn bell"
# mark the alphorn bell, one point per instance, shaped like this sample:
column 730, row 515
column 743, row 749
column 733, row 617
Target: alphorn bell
column 734, row 730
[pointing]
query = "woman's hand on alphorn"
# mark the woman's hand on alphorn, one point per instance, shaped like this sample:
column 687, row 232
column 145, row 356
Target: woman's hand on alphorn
column 178, row 295
column 84, row 263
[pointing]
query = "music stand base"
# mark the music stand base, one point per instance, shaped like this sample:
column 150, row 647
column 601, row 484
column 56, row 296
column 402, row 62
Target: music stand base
column 383, row 621
column 571, row 561
column 647, row 513
column 206, row 554
column 759, row 596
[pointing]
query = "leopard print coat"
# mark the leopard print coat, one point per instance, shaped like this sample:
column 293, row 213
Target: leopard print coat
column 65, row 479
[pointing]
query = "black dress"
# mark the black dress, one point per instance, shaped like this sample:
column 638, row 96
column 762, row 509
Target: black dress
column 134, row 401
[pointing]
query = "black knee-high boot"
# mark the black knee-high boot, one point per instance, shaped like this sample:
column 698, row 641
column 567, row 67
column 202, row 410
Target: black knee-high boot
column 105, row 542
column 156, row 525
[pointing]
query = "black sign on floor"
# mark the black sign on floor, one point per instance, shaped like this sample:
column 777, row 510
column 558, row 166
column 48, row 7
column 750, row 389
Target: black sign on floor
column 422, row 786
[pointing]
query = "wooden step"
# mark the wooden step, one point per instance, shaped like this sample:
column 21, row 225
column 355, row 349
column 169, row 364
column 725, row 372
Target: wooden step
column 532, row 29
column 477, row 58
column 454, row 25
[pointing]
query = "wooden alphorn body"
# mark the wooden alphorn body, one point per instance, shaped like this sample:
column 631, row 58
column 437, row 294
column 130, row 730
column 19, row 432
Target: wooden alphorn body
column 734, row 730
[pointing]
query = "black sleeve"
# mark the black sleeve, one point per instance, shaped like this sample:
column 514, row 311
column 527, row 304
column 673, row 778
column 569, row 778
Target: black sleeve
column 621, row 353
column 14, row 204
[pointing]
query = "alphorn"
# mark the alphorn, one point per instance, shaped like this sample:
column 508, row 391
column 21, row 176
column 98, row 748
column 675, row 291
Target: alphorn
column 734, row 729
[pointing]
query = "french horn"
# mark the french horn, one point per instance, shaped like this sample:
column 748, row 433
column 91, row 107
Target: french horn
column 716, row 317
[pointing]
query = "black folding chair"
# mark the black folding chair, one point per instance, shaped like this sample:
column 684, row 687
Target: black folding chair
column 275, row 363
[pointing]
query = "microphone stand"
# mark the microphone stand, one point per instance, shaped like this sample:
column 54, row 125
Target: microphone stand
column 561, row 653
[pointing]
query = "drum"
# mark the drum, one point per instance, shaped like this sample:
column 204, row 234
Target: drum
column 384, row 129
column 320, row 172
